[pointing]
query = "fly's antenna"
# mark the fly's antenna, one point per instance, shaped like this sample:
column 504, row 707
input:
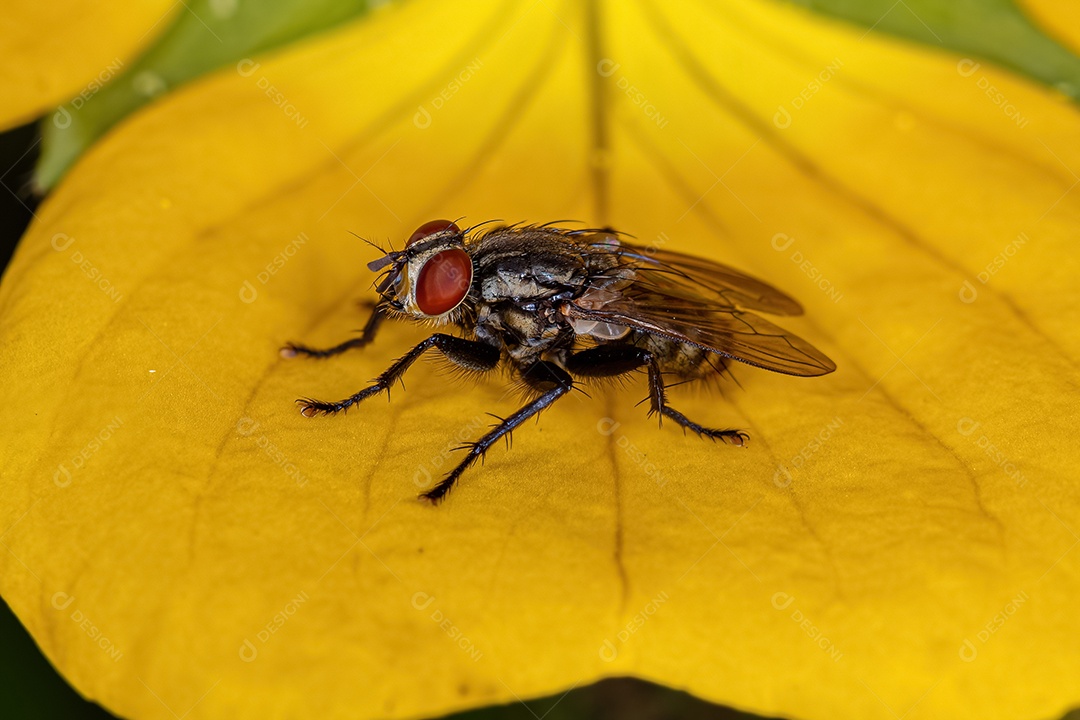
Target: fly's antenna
column 372, row 244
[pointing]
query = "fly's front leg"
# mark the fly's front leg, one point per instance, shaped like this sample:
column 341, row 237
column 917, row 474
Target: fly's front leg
column 551, row 380
column 291, row 350
column 610, row 360
column 469, row 354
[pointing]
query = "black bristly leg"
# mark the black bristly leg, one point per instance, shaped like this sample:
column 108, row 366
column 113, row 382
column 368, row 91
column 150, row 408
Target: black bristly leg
column 611, row 360
column 366, row 336
column 550, row 379
column 469, row 354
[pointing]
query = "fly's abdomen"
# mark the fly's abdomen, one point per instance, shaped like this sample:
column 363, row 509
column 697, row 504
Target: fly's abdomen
column 679, row 358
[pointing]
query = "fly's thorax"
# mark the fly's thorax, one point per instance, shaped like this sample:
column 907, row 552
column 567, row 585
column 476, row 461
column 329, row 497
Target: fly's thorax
column 525, row 333
column 527, row 265
column 525, row 279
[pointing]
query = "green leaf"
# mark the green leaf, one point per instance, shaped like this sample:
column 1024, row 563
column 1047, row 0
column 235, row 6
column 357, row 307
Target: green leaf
column 208, row 35
column 994, row 30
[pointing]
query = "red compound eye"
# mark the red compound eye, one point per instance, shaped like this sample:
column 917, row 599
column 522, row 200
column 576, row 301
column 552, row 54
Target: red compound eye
column 430, row 228
column 443, row 282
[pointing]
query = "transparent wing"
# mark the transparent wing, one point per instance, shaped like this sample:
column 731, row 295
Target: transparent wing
column 737, row 334
column 678, row 274
column 696, row 301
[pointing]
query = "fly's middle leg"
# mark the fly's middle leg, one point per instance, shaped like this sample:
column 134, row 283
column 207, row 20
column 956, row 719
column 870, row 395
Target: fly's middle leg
column 291, row 350
column 550, row 380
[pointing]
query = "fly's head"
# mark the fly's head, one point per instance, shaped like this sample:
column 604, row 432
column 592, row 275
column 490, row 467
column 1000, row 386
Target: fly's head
column 430, row 278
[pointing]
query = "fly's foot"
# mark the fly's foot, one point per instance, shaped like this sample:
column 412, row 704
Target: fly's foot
column 312, row 408
column 735, row 437
column 475, row 450
column 290, row 350
column 436, row 494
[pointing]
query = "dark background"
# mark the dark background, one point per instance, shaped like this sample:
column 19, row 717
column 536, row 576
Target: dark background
column 18, row 153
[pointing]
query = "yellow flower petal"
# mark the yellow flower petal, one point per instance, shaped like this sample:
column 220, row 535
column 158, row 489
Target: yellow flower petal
column 58, row 50
column 1060, row 19
column 898, row 539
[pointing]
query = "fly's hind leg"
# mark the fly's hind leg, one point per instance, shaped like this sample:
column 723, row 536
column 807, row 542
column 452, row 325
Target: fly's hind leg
column 291, row 350
column 611, row 360
column 550, row 380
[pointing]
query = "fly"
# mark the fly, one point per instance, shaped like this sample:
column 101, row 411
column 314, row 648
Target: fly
column 559, row 306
